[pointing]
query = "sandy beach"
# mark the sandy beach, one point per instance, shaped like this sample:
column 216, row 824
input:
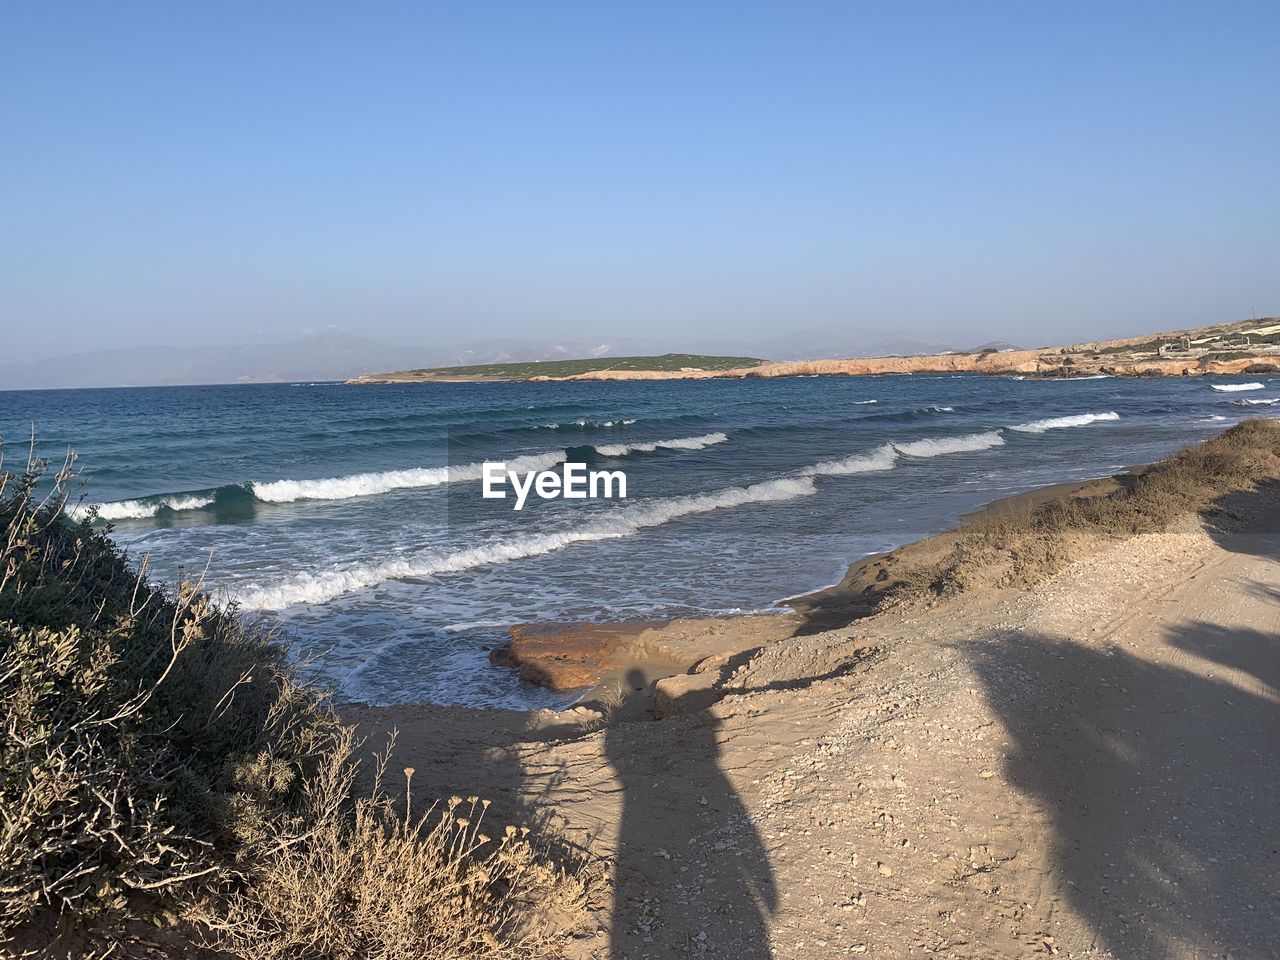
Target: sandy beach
column 1079, row 767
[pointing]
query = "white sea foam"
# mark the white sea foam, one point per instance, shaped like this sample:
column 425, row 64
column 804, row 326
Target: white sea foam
column 937, row 446
column 139, row 509
column 681, row 443
column 881, row 458
column 313, row 588
column 942, row 409
column 585, row 423
column 1235, row 387
column 858, row 403
column 1257, row 403
column 371, row 484
column 1058, row 423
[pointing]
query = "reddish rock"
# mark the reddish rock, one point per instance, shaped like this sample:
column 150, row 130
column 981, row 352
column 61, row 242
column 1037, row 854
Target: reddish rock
column 565, row 656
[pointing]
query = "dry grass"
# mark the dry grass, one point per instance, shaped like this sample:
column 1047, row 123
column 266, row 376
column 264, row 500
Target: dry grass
column 1021, row 548
column 159, row 761
column 383, row 885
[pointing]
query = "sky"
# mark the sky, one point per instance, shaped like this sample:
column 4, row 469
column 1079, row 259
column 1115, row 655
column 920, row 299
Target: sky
column 175, row 173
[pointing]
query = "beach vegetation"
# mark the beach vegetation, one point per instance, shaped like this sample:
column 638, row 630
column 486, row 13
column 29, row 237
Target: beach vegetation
column 168, row 784
column 1022, row 546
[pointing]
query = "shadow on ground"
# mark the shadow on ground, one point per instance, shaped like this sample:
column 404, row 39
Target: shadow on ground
column 692, row 874
column 1248, row 521
column 1163, row 784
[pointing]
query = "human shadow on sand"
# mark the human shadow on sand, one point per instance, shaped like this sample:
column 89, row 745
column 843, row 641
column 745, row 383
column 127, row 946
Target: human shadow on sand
column 1162, row 780
column 692, row 877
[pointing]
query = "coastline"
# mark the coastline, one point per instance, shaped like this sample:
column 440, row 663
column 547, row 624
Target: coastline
column 1210, row 351
column 898, row 772
column 593, row 658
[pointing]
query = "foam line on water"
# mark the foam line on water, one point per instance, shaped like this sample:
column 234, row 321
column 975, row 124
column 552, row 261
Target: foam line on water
column 583, row 424
column 139, row 509
column 374, row 483
column 881, row 458
column 371, row 484
column 315, row 588
column 1059, row 423
column 1235, row 387
column 680, row 443
column 938, row 446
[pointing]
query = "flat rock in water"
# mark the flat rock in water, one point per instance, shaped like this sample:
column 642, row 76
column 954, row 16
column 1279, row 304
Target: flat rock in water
column 565, row 656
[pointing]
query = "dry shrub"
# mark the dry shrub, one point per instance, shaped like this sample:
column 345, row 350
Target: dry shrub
column 1020, row 548
column 156, row 752
column 150, row 740
column 382, row 885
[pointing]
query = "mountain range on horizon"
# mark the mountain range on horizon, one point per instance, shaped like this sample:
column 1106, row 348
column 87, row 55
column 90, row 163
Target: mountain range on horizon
column 333, row 354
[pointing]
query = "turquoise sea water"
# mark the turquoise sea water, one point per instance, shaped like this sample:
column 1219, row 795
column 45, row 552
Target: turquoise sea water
column 328, row 506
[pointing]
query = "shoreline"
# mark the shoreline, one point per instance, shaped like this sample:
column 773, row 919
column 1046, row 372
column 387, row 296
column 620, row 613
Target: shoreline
column 958, row 768
column 662, row 648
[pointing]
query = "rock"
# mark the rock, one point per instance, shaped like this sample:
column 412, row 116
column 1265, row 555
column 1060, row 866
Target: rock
column 565, row 656
column 708, row 664
column 684, row 693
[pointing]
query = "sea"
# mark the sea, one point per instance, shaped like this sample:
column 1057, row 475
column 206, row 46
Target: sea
column 352, row 515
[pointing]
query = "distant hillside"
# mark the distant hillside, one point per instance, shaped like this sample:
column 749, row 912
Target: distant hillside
column 667, row 362
column 1248, row 347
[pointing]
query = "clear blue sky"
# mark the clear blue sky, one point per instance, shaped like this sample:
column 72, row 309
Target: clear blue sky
column 181, row 173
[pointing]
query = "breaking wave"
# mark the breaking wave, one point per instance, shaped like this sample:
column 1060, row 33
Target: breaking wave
column 881, row 458
column 313, row 588
column 1058, row 423
column 140, row 509
column 371, row 484
column 937, row 446
column 682, row 443
column 317, row 588
column 1235, row 387
column 1256, row 403
column 365, row 484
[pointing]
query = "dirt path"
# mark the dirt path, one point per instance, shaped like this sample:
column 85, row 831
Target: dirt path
column 1089, row 769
